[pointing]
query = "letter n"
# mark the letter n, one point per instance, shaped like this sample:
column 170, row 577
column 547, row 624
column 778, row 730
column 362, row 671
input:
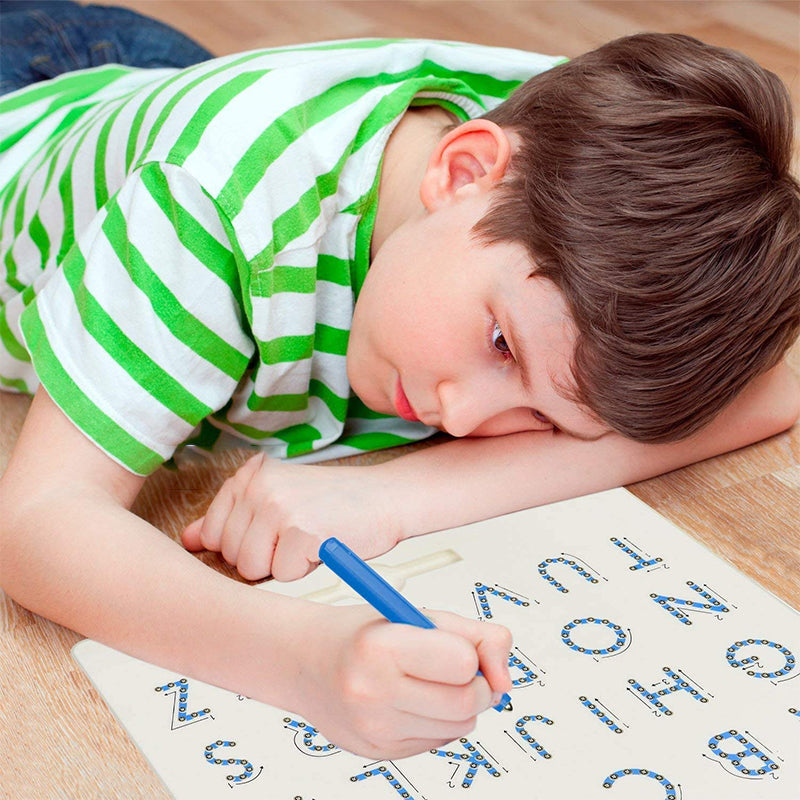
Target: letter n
column 677, row 606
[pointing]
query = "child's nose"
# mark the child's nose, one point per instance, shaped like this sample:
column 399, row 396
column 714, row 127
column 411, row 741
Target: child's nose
column 466, row 405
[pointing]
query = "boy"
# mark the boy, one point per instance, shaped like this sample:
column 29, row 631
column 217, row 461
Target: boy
column 590, row 284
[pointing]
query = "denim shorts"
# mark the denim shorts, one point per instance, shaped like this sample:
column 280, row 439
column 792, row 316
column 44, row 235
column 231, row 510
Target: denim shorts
column 40, row 39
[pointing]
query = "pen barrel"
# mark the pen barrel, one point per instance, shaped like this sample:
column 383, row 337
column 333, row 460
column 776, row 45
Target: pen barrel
column 379, row 593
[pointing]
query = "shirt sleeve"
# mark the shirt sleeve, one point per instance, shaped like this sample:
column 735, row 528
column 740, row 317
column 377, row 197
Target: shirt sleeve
column 140, row 333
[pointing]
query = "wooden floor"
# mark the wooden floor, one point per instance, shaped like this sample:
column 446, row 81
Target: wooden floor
column 56, row 737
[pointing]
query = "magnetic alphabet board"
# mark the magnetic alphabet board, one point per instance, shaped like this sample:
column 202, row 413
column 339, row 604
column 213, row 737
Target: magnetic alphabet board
column 644, row 667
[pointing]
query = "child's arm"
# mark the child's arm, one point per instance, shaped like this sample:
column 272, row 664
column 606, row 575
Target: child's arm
column 72, row 551
column 530, row 469
column 271, row 516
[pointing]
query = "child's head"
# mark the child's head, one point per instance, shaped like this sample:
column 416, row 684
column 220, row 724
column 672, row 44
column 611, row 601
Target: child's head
column 652, row 187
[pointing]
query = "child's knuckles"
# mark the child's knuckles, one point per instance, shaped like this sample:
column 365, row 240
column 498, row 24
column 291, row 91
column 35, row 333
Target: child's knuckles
column 375, row 644
column 359, row 692
column 271, row 506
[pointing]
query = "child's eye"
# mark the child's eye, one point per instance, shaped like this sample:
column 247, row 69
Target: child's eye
column 499, row 341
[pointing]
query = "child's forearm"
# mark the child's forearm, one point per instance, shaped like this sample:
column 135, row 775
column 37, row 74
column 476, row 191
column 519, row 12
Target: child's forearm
column 102, row 571
column 471, row 479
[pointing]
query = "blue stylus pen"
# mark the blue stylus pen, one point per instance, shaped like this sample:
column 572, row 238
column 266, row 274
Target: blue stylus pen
column 382, row 596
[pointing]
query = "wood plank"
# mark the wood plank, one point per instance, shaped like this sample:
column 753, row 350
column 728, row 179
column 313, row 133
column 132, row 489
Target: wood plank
column 744, row 506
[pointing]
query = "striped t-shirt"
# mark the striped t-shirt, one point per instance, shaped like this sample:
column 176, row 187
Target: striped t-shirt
column 187, row 245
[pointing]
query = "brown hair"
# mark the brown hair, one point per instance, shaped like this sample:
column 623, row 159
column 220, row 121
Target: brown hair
column 652, row 187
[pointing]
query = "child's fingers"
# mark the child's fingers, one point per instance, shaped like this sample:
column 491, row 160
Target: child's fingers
column 215, row 518
column 436, row 656
column 233, row 530
column 493, row 654
column 492, row 644
column 457, row 704
column 206, row 533
column 296, row 555
column 190, row 538
column 256, row 551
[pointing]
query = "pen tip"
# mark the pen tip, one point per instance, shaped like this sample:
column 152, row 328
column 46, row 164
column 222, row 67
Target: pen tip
column 505, row 703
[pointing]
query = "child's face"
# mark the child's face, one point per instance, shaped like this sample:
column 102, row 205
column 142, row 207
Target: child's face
column 456, row 334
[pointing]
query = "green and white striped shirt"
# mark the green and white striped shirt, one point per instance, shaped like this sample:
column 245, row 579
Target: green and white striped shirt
column 187, row 245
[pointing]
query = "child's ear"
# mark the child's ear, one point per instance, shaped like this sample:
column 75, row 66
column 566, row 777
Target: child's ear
column 476, row 153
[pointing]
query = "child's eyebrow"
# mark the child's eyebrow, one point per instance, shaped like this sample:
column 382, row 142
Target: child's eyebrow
column 522, row 359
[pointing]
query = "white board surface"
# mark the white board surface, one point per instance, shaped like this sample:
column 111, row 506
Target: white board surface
column 645, row 668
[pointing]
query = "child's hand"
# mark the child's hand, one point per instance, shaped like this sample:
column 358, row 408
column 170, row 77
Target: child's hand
column 271, row 517
column 385, row 690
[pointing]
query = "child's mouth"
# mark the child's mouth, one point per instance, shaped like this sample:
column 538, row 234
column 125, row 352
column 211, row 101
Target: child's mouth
column 402, row 406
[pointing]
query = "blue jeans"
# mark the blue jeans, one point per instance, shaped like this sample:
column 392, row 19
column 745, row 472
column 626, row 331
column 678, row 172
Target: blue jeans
column 40, row 39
